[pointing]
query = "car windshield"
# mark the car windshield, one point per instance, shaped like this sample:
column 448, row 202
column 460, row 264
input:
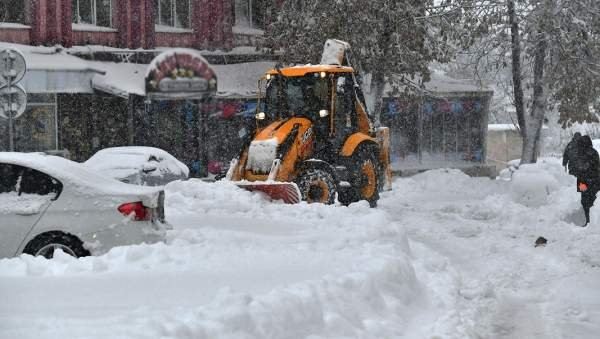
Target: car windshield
column 293, row 96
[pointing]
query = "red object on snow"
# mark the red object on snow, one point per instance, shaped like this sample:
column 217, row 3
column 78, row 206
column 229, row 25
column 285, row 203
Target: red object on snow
column 286, row 191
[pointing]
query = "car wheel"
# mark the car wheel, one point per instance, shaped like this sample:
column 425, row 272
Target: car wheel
column 46, row 243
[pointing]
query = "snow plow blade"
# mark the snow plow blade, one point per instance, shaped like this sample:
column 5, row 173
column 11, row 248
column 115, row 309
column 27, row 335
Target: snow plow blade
column 286, row 191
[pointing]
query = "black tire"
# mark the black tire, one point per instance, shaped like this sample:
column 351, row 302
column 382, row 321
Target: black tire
column 363, row 177
column 45, row 243
column 317, row 185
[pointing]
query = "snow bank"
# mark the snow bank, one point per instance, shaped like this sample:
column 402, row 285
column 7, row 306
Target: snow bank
column 239, row 266
column 472, row 247
column 532, row 187
column 236, row 265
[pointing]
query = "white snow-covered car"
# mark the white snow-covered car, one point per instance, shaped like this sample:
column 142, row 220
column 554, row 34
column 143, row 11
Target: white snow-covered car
column 138, row 165
column 48, row 202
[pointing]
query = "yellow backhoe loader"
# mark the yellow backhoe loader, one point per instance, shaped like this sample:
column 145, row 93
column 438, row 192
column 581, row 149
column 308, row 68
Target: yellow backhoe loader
column 313, row 139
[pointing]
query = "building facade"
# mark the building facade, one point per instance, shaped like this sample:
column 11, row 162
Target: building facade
column 87, row 90
column 133, row 24
column 86, row 61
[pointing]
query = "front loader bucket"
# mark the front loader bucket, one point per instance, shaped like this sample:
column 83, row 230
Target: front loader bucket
column 286, row 191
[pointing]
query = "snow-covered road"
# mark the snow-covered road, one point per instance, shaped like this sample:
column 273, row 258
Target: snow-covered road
column 444, row 256
column 485, row 231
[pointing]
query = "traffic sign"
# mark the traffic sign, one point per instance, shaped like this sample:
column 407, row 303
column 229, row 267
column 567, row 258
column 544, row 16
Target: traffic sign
column 12, row 66
column 13, row 101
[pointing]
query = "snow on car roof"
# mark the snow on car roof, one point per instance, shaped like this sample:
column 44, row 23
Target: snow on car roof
column 71, row 172
column 101, row 158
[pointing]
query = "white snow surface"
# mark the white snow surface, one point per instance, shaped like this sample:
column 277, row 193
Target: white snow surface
column 92, row 28
column 24, row 204
column 78, row 176
column 261, row 154
column 443, row 256
column 120, row 162
column 502, row 127
column 233, row 81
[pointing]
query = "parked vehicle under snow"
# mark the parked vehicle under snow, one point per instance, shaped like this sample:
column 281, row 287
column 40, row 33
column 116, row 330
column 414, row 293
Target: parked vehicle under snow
column 49, row 203
column 138, row 165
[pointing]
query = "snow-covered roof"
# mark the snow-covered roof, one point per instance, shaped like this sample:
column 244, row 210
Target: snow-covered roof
column 240, row 80
column 233, row 81
column 120, row 79
column 443, row 85
column 52, row 70
column 502, row 127
column 49, row 58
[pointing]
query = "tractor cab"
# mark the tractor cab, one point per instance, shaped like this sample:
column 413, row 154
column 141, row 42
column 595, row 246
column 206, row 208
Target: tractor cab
column 323, row 94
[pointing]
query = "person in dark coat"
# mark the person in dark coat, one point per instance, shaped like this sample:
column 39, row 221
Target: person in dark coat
column 570, row 154
column 588, row 174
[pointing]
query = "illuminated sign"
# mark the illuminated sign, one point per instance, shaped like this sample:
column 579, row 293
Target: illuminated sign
column 180, row 73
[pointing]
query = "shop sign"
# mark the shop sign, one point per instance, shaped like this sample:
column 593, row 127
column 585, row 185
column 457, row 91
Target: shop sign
column 180, row 73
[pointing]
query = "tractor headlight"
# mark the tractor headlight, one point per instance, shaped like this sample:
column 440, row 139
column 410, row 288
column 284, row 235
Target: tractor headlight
column 260, row 116
column 323, row 113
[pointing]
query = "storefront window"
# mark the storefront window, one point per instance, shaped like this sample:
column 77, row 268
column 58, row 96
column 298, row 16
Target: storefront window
column 92, row 12
column 173, row 13
column 441, row 132
column 13, row 11
column 36, row 129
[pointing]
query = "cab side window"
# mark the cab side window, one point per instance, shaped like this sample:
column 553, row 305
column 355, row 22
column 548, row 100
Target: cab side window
column 344, row 118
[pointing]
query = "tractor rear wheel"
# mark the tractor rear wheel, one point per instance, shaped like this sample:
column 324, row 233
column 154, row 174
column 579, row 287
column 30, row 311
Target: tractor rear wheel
column 317, row 185
column 364, row 177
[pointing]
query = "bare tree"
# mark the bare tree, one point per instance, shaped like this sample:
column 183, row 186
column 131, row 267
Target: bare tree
column 551, row 48
column 394, row 41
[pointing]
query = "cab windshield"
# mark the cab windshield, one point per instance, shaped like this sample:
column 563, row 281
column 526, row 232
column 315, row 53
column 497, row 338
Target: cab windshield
column 296, row 96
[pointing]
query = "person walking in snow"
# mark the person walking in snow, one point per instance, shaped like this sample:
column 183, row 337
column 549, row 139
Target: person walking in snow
column 570, row 154
column 588, row 174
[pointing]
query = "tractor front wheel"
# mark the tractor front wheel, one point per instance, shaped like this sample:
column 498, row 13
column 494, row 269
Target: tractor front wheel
column 317, row 185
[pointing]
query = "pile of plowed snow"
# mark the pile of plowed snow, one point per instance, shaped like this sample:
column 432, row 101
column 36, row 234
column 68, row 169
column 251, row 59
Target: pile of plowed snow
column 235, row 265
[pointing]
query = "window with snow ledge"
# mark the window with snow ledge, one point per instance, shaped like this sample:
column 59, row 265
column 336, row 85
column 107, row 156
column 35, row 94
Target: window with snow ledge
column 251, row 16
column 172, row 16
column 15, row 12
column 88, row 14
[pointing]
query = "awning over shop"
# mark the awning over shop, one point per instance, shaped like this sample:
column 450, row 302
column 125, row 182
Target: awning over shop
column 51, row 70
column 240, row 80
column 442, row 85
column 235, row 81
column 120, row 79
